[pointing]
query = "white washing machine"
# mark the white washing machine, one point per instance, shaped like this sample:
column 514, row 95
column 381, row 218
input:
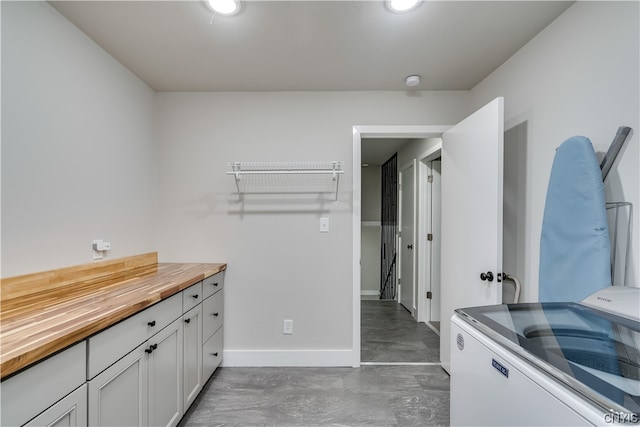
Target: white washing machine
column 548, row 364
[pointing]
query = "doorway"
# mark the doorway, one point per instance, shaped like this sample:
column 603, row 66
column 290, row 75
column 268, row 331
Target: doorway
column 366, row 138
column 496, row 122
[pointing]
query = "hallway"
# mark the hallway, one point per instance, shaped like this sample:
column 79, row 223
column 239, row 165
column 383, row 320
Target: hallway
column 389, row 334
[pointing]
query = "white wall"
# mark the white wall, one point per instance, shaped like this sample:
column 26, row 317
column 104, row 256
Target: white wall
column 416, row 148
column 577, row 77
column 280, row 266
column 371, row 179
column 77, row 146
column 371, row 188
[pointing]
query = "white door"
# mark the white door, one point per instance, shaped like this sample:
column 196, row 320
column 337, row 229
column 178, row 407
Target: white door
column 407, row 239
column 436, row 241
column 471, row 215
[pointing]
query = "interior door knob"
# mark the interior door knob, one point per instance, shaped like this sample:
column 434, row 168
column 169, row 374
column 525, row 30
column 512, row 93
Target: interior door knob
column 486, row 276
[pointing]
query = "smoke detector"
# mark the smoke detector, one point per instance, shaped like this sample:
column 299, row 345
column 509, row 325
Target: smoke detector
column 412, row 81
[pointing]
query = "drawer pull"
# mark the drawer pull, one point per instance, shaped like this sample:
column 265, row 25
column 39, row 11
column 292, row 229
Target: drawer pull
column 215, row 354
column 215, row 284
column 151, row 348
column 195, row 296
column 187, row 320
column 152, row 323
column 216, row 314
column 154, row 346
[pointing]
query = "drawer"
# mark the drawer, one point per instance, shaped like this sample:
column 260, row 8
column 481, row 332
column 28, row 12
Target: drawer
column 33, row 390
column 212, row 314
column 106, row 347
column 213, row 284
column 191, row 297
column 212, row 354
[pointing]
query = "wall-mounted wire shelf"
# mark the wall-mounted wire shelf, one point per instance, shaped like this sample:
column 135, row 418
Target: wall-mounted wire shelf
column 289, row 176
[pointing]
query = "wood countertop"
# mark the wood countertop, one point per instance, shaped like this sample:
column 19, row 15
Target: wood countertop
column 38, row 324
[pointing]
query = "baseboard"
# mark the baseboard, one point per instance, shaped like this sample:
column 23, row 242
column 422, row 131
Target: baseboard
column 368, row 293
column 290, row 358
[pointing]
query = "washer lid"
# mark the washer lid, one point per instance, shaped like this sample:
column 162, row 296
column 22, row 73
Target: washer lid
column 621, row 300
column 594, row 352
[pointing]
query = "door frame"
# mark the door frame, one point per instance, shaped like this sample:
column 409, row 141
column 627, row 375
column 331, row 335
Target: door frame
column 424, row 227
column 359, row 132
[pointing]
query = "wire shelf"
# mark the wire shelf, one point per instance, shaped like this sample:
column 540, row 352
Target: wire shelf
column 286, row 177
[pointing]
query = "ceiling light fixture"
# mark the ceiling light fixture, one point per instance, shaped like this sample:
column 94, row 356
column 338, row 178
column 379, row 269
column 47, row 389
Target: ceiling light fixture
column 224, row 7
column 402, row 5
column 412, row 81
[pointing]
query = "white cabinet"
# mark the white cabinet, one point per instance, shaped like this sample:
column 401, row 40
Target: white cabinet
column 71, row 411
column 192, row 354
column 111, row 344
column 118, row 396
column 27, row 394
column 143, row 371
column 212, row 324
column 212, row 354
column 144, row 387
column 165, row 376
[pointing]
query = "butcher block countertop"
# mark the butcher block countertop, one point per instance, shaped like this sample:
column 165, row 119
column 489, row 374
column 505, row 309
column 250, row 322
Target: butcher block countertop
column 43, row 313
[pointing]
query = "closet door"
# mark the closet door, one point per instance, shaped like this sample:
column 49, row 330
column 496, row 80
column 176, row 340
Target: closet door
column 472, row 179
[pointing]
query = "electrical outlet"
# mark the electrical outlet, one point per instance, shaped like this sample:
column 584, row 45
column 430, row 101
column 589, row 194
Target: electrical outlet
column 287, row 328
column 99, row 248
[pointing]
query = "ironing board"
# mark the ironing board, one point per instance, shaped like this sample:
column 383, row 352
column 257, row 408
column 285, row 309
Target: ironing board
column 575, row 249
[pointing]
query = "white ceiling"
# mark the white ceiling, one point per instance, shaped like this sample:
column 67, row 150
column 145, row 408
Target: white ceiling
column 376, row 151
column 310, row 45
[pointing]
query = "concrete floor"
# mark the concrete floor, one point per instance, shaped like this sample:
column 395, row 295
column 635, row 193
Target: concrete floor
column 381, row 395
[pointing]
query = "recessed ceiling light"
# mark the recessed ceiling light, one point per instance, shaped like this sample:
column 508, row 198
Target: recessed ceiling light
column 402, row 5
column 224, row 7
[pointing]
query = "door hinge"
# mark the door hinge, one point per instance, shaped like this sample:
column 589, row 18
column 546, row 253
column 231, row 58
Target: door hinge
column 430, row 178
column 430, row 237
column 429, row 295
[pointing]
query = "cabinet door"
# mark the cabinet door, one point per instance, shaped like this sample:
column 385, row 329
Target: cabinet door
column 70, row 411
column 192, row 354
column 118, row 396
column 165, row 376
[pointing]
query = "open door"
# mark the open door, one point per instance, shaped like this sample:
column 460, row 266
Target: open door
column 471, row 248
column 407, row 239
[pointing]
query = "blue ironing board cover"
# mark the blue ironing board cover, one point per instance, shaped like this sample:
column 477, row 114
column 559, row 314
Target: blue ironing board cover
column 575, row 249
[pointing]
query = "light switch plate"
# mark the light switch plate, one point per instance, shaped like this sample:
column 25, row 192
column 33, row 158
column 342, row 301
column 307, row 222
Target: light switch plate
column 324, row 225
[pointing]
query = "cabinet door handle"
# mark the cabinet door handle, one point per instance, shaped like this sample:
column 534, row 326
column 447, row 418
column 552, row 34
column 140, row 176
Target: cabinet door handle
column 148, row 350
column 187, row 320
column 215, row 354
column 152, row 323
column 215, row 314
column 195, row 296
column 154, row 346
column 215, row 284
